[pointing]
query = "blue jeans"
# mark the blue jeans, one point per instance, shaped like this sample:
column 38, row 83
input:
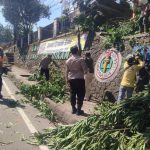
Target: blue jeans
column 123, row 90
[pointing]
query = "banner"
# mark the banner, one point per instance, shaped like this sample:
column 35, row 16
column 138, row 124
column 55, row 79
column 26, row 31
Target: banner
column 61, row 45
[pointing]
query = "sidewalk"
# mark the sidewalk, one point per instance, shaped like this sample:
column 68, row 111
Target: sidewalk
column 63, row 111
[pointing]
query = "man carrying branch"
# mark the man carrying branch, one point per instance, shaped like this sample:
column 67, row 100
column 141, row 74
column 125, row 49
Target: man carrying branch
column 44, row 66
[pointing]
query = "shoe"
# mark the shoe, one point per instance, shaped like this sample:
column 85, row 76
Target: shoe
column 79, row 112
column 74, row 111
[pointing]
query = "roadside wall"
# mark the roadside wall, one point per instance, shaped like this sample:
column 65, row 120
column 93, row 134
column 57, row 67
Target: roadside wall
column 98, row 89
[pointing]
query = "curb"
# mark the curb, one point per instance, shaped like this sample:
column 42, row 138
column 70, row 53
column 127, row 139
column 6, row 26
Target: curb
column 63, row 114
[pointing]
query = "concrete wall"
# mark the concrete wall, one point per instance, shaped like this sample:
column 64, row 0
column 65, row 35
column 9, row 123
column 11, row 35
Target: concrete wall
column 98, row 89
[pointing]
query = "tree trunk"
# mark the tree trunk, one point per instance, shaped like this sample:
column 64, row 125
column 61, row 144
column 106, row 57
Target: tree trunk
column 15, row 36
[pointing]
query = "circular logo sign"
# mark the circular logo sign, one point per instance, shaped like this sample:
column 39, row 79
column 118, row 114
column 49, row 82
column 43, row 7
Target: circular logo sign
column 108, row 65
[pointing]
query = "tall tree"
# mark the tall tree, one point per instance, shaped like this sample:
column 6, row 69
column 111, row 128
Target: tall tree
column 6, row 34
column 94, row 13
column 22, row 14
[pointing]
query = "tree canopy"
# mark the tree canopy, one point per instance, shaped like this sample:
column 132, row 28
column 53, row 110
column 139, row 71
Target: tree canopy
column 6, row 34
column 93, row 13
column 22, row 14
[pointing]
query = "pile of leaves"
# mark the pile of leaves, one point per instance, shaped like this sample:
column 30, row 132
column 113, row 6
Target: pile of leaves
column 124, row 126
column 35, row 77
column 44, row 89
column 32, row 94
column 55, row 88
column 43, row 107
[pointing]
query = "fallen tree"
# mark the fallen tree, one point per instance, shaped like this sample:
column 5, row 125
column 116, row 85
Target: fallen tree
column 124, row 126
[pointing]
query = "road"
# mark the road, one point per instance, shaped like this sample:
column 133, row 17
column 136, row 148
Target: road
column 18, row 122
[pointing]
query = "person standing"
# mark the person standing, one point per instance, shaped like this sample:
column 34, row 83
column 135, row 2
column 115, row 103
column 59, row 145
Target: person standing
column 1, row 69
column 144, row 16
column 142, row 77
column 75, row 70
column 89, row 75
column 44, row 66
column 129, row 77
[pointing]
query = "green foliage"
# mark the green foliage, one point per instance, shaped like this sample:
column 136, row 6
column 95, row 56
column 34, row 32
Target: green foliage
column 93, row 14
column 119, row 30
column 41, row 105
column 55, row 89
column 6, row 34
column 85, row 23
column 22, row 14
column 35, row 77
column 125, row 126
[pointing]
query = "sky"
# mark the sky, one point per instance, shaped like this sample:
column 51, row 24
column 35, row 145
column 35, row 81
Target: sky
column 55, row 12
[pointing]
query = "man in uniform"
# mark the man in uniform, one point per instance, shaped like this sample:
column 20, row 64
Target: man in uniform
column 75, row 70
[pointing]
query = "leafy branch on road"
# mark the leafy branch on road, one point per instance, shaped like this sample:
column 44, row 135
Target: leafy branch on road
column 43, row 107
column 124, row 126
column 54, row 89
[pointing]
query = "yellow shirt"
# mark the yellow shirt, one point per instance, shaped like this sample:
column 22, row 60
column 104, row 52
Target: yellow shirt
column 129, row 75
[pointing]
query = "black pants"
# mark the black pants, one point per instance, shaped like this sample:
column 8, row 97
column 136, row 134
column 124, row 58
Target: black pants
column 77, row 92
column 144, row 23
column 46, row 72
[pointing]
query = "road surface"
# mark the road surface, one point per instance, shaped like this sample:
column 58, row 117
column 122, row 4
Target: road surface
column 18, row 123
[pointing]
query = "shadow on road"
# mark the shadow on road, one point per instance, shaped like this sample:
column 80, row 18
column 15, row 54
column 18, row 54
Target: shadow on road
column 86, row 114
column 11, row 103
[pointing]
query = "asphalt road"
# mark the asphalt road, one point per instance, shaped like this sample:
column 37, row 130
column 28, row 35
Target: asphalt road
column 18, row 122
